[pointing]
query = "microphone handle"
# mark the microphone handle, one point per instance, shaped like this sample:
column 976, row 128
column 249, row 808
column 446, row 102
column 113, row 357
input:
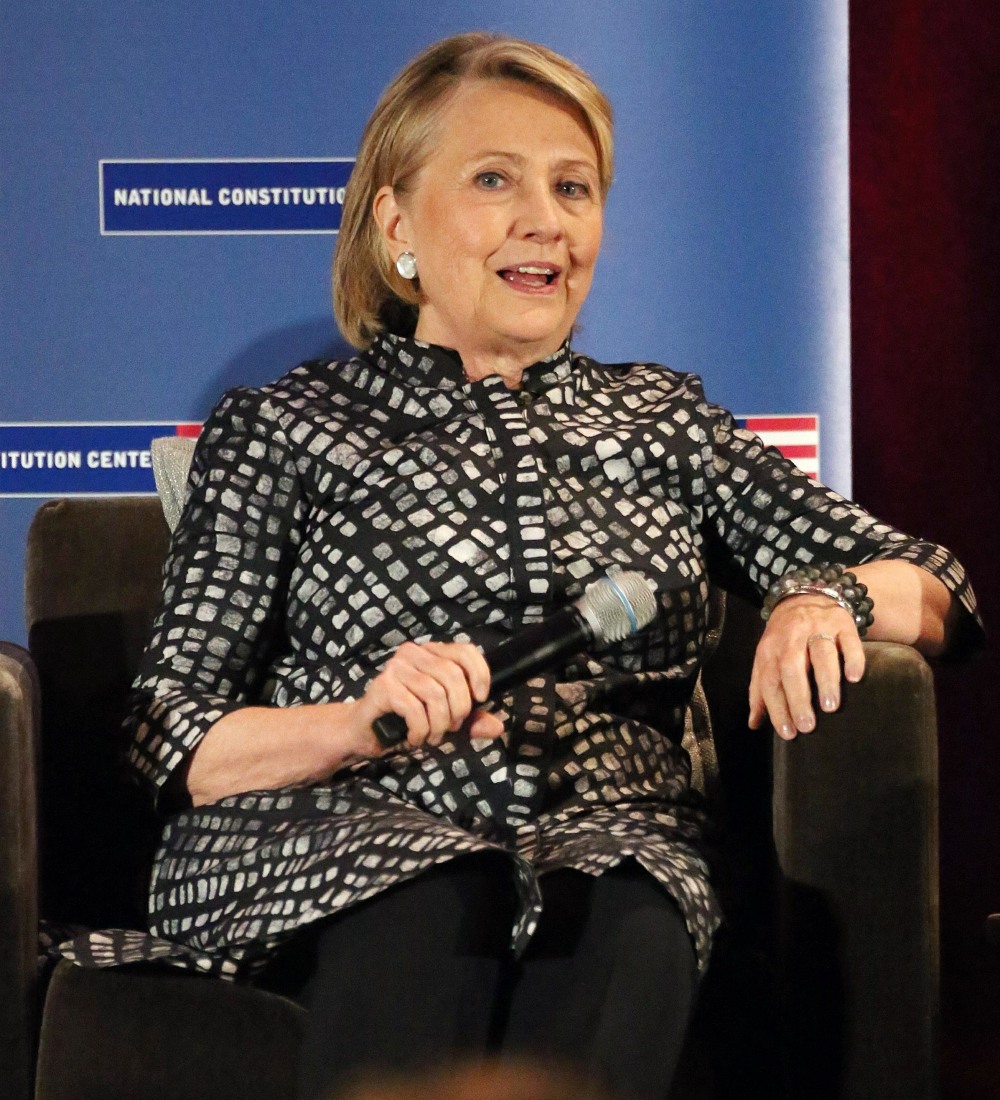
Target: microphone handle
column 538, row 647
column 512, row 662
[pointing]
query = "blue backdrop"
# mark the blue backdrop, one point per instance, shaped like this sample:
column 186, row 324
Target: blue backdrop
column 726, row 247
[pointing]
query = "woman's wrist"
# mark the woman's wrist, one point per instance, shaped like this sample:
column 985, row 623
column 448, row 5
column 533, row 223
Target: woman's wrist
column 356, row 739
column 831, row 582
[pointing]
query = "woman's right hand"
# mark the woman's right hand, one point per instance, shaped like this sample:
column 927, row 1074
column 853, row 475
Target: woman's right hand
column 435, row 687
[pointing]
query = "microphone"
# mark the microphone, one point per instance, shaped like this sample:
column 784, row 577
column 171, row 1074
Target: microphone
column 610, row 609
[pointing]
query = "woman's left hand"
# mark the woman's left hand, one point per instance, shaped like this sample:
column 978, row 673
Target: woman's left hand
column 804, row 641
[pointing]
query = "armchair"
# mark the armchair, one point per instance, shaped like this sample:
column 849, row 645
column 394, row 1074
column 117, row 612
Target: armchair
column 824, row 984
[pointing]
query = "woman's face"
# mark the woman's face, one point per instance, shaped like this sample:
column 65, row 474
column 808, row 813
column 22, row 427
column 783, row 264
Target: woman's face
column 505, row 221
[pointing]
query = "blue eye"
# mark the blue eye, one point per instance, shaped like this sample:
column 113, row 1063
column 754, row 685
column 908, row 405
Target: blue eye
column 573, row 189
column 490, row 180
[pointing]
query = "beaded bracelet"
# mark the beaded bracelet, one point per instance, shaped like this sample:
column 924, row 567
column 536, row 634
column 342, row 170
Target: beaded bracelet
column 823, row 580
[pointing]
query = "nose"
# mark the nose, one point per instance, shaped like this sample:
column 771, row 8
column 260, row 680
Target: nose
column 539, row 216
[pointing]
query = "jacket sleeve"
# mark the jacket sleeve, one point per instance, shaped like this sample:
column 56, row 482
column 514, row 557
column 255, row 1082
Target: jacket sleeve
column 763, row 516
column 226, row 578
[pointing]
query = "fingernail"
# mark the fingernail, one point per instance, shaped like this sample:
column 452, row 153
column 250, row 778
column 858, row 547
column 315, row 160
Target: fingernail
column 829, row 702
column 786, row 731
column 806, row 723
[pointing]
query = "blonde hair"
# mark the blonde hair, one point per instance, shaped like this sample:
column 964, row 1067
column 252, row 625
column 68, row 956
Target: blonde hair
column 369, row 296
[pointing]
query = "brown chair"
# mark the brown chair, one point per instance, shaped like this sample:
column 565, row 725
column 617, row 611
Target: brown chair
column 824, row 982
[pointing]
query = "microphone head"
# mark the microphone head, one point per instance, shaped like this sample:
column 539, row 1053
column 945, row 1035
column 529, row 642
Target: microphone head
column 617, row 605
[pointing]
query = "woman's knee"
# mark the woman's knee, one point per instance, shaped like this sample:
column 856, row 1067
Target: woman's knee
column 460, row 909
column 645, row 926
column 469, row 903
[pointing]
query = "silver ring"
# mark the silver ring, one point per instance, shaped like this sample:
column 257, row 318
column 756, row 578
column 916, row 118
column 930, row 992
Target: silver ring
column 816, row 637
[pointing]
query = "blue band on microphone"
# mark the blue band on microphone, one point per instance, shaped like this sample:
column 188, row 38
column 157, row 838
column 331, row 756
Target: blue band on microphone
column 629, row 610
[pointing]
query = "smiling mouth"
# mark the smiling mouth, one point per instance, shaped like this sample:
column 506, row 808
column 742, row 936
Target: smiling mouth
column 530, row 276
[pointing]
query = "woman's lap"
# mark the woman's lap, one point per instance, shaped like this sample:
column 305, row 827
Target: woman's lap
column 423, row 973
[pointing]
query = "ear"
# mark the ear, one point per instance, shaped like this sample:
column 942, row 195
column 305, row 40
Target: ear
column 392, row 221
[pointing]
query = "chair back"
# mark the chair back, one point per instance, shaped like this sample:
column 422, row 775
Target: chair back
column 93, row 576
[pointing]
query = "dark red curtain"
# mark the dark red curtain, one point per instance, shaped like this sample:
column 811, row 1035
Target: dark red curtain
column 925, row 300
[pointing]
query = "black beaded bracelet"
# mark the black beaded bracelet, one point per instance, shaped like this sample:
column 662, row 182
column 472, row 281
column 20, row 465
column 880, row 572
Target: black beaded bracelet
column 823, row 580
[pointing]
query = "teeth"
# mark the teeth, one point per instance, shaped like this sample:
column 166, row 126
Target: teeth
column 535, row 270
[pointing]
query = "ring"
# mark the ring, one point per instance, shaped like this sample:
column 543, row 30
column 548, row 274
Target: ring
column 816, row 637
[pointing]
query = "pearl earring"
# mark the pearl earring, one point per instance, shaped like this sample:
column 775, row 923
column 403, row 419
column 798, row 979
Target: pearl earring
column 406, row 265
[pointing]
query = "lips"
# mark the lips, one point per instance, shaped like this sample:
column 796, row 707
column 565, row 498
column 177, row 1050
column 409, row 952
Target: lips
column 530, row 276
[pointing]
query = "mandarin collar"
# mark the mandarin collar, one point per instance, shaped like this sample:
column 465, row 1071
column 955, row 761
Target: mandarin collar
column 441, row 368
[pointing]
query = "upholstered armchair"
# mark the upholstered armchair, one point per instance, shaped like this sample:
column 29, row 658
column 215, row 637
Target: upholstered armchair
column 824, row 982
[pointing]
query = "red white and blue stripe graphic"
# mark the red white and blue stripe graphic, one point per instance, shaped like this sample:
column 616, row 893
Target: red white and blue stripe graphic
column 78, row 459
column 796, row 436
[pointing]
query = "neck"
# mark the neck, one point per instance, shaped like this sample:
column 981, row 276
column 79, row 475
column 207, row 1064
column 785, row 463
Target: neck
column 509, row 367
column 508, row 363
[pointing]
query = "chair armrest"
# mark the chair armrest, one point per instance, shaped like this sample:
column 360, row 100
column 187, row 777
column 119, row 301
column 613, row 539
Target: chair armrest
column 19, row 717
column 855, row 826
column 134, row 1032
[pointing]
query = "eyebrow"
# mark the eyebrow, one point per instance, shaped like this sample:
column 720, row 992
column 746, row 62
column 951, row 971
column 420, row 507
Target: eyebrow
column 518, row 159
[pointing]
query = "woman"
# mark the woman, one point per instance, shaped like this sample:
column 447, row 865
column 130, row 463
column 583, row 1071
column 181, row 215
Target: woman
column 529, row 878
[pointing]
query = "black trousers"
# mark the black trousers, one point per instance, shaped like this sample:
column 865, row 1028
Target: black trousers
column 423, row 974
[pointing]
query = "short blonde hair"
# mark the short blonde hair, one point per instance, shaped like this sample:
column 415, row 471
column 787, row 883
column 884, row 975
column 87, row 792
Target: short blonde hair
column 369, row 296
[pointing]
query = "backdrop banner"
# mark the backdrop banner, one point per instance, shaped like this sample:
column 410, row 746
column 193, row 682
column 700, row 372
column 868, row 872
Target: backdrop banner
column 172, row 181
